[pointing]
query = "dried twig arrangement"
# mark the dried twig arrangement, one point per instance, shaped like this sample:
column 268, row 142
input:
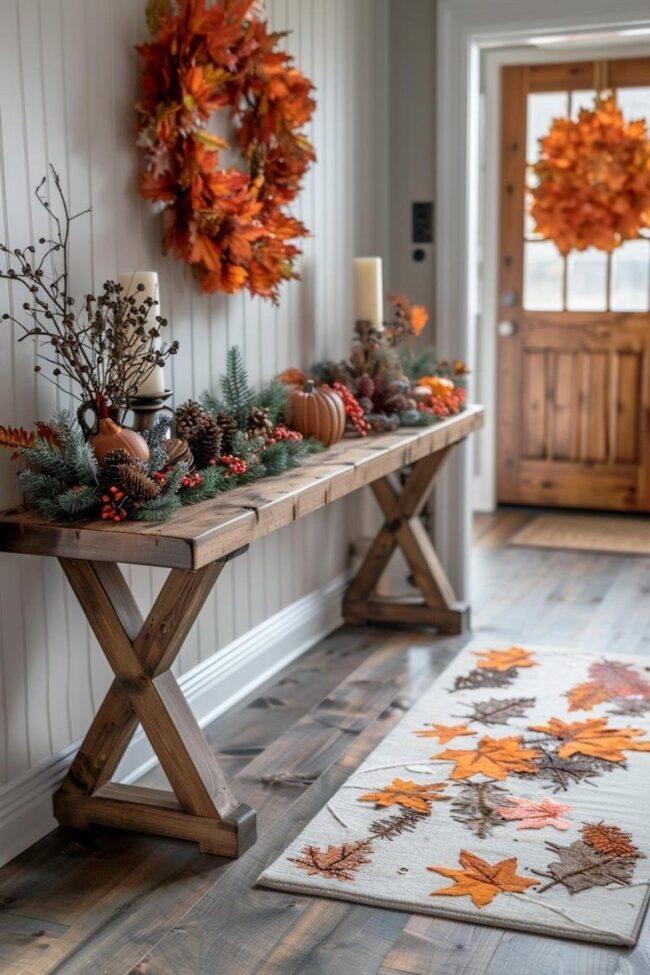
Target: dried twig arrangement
column 109, row 347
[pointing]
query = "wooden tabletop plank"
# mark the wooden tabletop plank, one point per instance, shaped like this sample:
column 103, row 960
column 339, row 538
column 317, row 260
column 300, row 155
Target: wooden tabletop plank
column 211, row 530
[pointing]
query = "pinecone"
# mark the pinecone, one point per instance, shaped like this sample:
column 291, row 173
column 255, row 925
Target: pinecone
column 187, row 418
column 259, row 423
column 365, row 387
column 137, row 485
column 205, row 442
column 178, row 450
column 110, row 470
column 228, row 426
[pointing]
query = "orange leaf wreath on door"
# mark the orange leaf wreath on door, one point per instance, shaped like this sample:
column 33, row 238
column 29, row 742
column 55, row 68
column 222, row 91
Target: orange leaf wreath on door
column 231, row 225
column 593, row 176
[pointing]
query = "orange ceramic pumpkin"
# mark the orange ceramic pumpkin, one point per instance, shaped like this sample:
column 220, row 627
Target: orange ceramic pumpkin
column 317, row 412
column 111, row 436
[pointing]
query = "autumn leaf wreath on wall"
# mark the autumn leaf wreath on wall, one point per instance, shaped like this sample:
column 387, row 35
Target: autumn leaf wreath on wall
column 557, row 754
column 232, row 224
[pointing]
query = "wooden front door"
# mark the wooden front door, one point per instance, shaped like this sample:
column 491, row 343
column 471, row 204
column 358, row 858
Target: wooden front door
column 574, row 333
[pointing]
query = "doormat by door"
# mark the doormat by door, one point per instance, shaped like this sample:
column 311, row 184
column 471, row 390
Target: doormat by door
column 514, row 793
column 591, row 533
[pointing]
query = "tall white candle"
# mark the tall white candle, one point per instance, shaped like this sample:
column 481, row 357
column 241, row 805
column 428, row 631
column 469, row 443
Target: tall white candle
column 154, row 384
column 369, row 291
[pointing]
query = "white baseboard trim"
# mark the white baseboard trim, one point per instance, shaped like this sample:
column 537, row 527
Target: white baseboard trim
column 210, row 688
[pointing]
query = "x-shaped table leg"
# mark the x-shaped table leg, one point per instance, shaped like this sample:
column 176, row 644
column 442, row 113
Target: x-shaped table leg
column 144, row 690
column 403, row 529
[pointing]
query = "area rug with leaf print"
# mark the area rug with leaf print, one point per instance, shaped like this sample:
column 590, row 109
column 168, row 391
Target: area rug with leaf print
column 514, row 793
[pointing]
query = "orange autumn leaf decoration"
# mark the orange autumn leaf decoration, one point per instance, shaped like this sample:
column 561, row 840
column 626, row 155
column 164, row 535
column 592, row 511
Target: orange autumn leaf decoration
column 496, row 758
column 444, row 732
column 482, row 881
column 593, row 180
column 610, row 680
column 409, row 795
column 232, row 225
column 505, row 659
column 594, row 738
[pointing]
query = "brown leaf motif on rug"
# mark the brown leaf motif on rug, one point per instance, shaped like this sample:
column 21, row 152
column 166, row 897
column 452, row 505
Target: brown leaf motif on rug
column 482, row 881
column 495, row 668
column 496, row 711
column 408, row 794
column 605, row 855
column 615, row 682
column 335, row 862
column 496, row 758
column 558, row 773
column 475, row 805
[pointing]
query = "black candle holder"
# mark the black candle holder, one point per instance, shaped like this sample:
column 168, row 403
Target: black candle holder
column 146, row 408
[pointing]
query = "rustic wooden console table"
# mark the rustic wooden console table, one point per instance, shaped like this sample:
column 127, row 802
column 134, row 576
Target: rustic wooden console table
column 196, row 544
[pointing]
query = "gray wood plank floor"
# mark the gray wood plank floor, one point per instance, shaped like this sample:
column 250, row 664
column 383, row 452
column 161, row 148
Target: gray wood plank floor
column 122, row 904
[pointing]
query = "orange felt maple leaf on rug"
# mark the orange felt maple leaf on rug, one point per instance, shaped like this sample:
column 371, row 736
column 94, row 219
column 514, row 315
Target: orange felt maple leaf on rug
column 495, row 758
column 444, row 732
column 504, row 659
column 594, row 738
column 610, row 679
column 482, row 881
column 535, row 815
column 409, row 795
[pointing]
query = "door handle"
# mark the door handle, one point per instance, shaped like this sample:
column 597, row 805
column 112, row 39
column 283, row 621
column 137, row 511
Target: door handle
column 507, row 329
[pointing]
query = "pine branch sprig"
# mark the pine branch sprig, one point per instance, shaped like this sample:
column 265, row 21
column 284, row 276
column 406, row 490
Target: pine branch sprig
column 239, row 397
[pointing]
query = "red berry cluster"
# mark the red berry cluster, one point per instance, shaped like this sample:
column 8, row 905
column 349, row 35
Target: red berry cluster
column 112, row 505
column 353, row 409
column 192, row 480
column 160, row 477
column 235, row 465
column 284, row 433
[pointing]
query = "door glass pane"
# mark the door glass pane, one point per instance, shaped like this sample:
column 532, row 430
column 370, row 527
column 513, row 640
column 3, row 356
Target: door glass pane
column 587, row 280
column 543, row 276
column 581, row 99
column 634, row 102
column 543, row 107
column 631, row 276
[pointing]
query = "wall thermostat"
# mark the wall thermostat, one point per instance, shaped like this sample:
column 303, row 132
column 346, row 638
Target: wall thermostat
column 422, row 223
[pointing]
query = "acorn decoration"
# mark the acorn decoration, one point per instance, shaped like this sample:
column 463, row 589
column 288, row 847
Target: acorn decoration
column 317, row 412
column 112, row 436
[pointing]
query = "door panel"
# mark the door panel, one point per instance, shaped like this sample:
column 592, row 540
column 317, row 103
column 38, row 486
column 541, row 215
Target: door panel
column 574, row 346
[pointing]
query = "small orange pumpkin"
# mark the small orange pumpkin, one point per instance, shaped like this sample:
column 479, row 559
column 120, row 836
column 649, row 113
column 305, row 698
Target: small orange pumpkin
column 111, row 436
column 317, row 412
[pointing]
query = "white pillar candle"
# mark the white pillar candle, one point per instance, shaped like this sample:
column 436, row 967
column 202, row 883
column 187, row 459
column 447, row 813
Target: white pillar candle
column 154, row 384
column 369, row 291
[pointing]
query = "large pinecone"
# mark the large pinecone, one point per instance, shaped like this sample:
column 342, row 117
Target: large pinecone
column 201, row 431
column 229, row 428
column 111, row 468
column 138, row 485
column 187, row 418
column 259, row 423
column 123, row 471
column 205, row 442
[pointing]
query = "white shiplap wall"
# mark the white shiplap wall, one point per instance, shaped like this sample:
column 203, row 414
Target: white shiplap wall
column 68, row 81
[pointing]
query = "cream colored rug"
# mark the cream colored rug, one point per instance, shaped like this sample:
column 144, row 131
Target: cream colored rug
column 592, row 533
column 515, row 793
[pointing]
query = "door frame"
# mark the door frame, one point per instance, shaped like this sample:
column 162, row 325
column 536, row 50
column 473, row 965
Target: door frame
column 468, row 32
